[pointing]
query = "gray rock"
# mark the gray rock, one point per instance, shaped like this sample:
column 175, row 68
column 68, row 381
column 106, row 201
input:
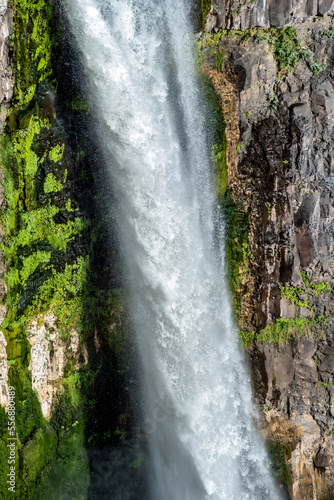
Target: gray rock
column 323, row 459
column 265, row 13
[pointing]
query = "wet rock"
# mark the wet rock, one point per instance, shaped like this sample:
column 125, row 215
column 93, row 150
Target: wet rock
column 322, row 459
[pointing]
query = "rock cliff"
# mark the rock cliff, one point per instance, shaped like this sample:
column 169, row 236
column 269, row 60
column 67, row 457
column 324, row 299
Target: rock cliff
column 272, row 65
column 245, row 14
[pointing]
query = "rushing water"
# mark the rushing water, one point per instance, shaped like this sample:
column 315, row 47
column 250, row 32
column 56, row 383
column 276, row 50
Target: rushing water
column 200, row 421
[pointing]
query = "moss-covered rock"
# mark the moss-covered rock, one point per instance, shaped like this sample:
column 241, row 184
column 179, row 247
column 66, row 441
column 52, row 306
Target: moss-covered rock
column 55, row 258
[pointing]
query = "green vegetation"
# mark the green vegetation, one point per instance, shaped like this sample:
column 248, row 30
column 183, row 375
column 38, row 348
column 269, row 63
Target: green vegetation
column 287, row 50
column 32, row 41
column 34, row 237
column 317, row 288
column 51, row 185
column 283, row 330
column 293, row 294
column 284, row 42
column 321, row 288
column 50, row 250
column 273, row 101
column 301, row 296
column 205, row 9
column 315, row 67
column 40, row 227
column 199, row 14
column 55, row 264
column 237, row 252
column 219, row 59
column 280, row 454
column 209, row 47
column 286, row 47
column 328, row 33
column 56, row 153
column 219, row 161
column 219, row 147
column 80, row 104
column 246, row 338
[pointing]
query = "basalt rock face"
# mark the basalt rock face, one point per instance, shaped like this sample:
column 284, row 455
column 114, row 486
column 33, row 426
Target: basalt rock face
column 294, row 386
column 279, row 130
column 240, row 14
column 280, row 166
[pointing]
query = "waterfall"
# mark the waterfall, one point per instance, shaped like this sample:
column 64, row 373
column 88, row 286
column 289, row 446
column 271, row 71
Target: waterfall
column 200, row 421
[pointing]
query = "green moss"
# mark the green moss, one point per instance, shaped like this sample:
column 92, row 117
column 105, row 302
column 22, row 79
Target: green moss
column 283, row 330
column 56, row 153
column 80, row 104
column 68, row 475
column 284, row 41
column 28, row 410
column 280, row 455
column 209, row 47
column 51, row 185
column 246, row 338
column 219, row 161
column 237, row 252
column 293, row 294
column 317, row 288
column 68, row 472
column 205, row 9
column 42, row 274
column 40, row 450
column 32, row 40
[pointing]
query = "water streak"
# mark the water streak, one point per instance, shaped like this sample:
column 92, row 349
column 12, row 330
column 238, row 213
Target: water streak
column 204, row 443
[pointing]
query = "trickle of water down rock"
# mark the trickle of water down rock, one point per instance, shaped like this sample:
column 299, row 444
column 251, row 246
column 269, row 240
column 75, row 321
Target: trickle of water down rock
column 204, row 442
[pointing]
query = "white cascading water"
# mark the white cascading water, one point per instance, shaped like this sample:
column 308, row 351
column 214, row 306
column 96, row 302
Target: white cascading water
column 203, row 440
